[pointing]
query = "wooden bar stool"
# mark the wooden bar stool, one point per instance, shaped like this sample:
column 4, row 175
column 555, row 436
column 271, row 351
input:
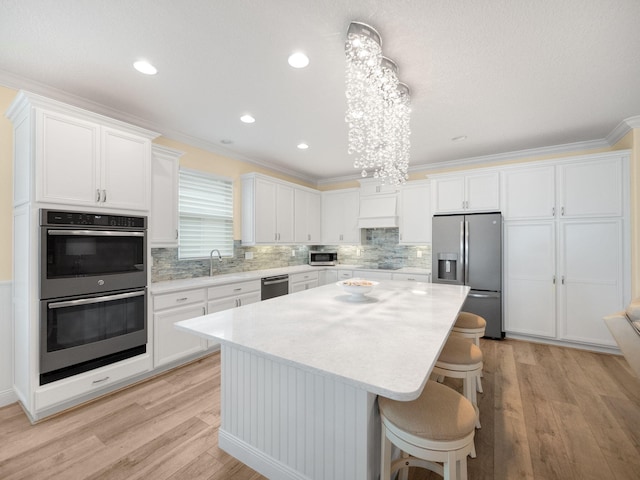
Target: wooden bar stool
column 470, row 325
column 461, row 358
column 436, row 427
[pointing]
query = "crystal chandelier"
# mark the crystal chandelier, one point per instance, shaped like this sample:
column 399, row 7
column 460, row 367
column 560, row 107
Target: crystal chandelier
column 378, row 108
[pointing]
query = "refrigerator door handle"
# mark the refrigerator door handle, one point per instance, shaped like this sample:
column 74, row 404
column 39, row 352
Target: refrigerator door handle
column 466, row 252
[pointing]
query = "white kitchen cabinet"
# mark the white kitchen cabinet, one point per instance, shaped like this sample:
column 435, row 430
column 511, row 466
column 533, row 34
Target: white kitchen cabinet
column 303, row 281
column 76, row 157
column 231, row 295
column 267, row 210
column 415, row 213
column 170, row 344
column 163, row 217
column 376, row 275
column 587, row 187
column 477, row 191
column 566, row 269
column 340, row 210
column 412, row 277
column 307, row 216
column 344, row 274
column 327, row 276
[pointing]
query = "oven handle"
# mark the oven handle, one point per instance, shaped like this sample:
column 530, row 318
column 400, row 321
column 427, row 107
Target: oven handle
column 88, row 301
column 95, row 233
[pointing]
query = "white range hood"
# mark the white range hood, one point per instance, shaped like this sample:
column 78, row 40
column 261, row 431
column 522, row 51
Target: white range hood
column 378, row 211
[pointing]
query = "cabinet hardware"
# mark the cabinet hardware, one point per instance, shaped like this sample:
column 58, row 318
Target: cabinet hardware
column 237, row 289
column 181, row 299
column 562, row 211
column 204, row 311
column 104, row 196
column 97, row 195
column 553, row 212
column 100, row 381
column 554, row 279
column 176, row 233
column 239, row 302
column 308, row 236
column 563, row 279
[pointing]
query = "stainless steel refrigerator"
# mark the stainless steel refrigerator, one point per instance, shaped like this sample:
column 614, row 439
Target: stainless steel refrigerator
column 467, row 250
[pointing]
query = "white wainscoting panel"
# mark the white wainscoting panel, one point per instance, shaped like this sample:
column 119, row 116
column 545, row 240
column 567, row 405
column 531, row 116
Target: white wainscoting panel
column 7, row 395
column 290, row 423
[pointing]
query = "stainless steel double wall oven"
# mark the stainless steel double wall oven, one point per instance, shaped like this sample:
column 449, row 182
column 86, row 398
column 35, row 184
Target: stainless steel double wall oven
column 93, row 276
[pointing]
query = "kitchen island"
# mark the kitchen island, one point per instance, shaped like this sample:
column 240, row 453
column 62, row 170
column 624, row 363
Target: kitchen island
column 301, row 373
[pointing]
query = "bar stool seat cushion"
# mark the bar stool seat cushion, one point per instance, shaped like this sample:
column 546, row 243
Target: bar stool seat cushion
column 469, row 321
column 633, row 310
column 439, row 413
column 460, row 351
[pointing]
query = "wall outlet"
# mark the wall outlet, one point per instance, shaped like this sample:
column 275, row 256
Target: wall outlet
column 293, row 252
column 248, row 255
column 419, row 253
column 357, row 252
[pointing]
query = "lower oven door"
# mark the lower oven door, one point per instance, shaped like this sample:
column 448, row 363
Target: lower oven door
column 80, row 330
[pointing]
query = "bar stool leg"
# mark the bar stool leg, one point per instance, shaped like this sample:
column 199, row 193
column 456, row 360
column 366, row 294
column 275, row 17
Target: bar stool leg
column 385, row 461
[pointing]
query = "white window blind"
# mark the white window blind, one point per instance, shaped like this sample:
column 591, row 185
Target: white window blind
column 206, row 214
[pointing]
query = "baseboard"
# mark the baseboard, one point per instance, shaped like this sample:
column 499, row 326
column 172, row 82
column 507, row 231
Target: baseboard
column 563, row 343
column 7, row 397
column 256, row 459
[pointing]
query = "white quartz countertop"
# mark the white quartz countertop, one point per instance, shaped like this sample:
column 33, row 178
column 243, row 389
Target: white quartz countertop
column 386, row 344
column 188, row 283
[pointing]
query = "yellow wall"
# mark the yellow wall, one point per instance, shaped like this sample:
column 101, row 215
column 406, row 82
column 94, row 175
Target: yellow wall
column 6, row 185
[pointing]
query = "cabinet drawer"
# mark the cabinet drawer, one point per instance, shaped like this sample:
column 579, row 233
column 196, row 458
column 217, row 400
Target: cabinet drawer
column 89, row 382
column 342, row 274
column 303, row 277
column 227, row 290
column 185, row 297
column 412, row 277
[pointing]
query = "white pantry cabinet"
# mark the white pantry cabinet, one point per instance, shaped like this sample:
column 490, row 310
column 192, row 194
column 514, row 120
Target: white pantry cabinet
column 340, row 210
column 415, row 213
column 307, row 217
column 267, row 210
column 566, row 251
column 163, row 217
column 474, row 191
column 170, row 344
column 75, row 157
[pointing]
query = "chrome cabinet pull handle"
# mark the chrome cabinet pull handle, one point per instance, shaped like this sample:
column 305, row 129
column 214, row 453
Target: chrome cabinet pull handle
column 97, row 195
column 100, row 381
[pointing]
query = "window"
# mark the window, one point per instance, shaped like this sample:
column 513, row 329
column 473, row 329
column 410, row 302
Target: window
column 206, row 214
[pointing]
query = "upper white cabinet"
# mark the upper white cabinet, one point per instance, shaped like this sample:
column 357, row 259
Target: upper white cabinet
column 340, row 216
column 267, row 210
column 306, row 207
column 75, row 157
column 477, row 191
column 163, row 218
column 415, row 213
column 564, row 189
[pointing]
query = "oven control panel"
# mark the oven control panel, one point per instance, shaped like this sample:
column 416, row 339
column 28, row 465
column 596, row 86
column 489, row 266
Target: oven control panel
column 51, row 217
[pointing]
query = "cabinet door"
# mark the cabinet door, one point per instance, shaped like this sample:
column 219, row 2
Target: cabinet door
column 529, row 285
column 529, row 193
column 66, row 159
column 306, row 208
column 125, row 169
column 265, row 211
column 284, row 213
column 591, row 188
column 332, row 224
column 171, row 344
column 448, row 194
column 163, row 218
column 350, row 211
column 314, row 215
column 249, row 298
column 415, row 214
column 591, row 281
column 482, row 191
column 326, row 277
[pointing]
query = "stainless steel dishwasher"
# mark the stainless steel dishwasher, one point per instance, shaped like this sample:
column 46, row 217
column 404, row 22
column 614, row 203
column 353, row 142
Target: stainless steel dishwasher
column 274, row 286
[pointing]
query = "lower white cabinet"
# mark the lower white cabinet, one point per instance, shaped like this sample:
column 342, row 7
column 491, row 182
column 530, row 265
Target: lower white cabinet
column 325, row 277
column 412, row 277
column 345, row 274
column 232, row 295
column 303, row 281
column 170, row 344
column 372, row 274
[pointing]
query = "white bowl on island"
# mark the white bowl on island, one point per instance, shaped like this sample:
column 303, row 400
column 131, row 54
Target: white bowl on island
column 357, row 287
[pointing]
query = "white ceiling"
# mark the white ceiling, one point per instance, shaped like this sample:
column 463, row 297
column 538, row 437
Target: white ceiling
column 511, row 75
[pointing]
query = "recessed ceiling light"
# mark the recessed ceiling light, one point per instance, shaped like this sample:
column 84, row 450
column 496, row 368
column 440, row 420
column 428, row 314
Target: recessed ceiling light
column 247, row 118
column 461, row 138
column 298, row 60
column 303, row 146
column 145, row 67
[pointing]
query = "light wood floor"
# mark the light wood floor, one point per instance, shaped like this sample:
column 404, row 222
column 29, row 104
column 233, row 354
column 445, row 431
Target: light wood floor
column 547, row 413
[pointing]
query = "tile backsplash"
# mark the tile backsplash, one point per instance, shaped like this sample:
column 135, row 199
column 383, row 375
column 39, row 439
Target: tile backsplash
column 379, row 248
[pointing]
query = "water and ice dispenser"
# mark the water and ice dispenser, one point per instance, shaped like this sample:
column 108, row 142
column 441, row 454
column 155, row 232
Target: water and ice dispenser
column 447, row 266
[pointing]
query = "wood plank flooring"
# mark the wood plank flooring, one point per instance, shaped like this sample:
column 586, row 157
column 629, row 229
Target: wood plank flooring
column 547, row 413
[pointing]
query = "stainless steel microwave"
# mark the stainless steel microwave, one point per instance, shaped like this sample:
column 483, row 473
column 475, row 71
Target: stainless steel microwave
column 323, row 258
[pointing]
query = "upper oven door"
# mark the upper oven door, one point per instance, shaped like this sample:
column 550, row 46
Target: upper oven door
column 89, row 260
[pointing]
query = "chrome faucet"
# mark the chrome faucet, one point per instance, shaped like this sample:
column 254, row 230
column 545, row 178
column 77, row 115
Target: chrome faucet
column 211, row 260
